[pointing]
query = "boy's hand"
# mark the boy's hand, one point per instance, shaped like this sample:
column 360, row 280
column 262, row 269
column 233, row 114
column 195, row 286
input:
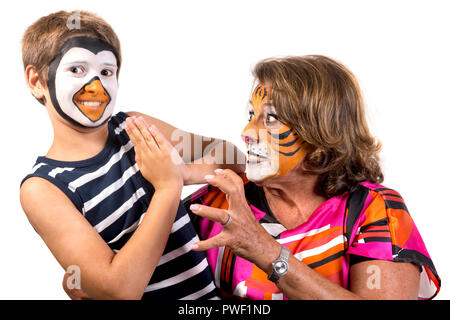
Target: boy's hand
column 157, row 159
column 74, row 294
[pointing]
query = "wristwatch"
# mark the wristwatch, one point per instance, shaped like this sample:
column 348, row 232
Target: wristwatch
column 280, row 266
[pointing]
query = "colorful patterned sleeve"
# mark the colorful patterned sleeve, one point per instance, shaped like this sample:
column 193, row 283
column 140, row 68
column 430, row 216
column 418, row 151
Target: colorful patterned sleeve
column 386, row 231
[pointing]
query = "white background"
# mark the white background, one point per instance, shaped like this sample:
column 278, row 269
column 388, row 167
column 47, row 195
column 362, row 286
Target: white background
column 189, row 63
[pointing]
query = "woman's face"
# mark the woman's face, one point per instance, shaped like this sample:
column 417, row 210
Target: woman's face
column 273, row 147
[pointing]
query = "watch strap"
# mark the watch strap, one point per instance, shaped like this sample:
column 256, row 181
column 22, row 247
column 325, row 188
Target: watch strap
column 283, row 259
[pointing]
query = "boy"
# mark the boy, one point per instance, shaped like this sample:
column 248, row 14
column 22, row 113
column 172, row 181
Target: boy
column 105, row 198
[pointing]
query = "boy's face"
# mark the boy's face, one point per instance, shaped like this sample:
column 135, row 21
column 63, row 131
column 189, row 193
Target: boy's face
column 83, row 81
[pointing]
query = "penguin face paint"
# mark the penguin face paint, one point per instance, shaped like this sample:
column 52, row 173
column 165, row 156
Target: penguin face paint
column 273, row 147
column 83, row 81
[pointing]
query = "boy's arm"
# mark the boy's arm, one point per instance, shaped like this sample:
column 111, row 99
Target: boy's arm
column 74, row 242
column 202, row 155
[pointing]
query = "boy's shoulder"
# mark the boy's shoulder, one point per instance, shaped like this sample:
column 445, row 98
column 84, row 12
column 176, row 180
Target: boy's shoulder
column 117, row 122
column 65, row 174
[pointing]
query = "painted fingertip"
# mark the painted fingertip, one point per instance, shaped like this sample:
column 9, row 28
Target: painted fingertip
column 209, row 176
column 218, row 170
column 194, row 246
column 194, row 207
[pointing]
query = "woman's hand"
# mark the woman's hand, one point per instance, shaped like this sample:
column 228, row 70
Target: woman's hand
column 157, row 159
column 244, row 235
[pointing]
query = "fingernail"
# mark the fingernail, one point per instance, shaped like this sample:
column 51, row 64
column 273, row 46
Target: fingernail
column 218, row 170
column 194, row 207
column 194, row 246
column 209, row 176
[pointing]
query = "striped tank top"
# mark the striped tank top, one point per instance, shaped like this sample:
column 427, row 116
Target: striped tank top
column 111, row 193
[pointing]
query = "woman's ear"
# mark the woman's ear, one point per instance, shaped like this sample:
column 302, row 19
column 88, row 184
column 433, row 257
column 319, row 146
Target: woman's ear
column 35, row 84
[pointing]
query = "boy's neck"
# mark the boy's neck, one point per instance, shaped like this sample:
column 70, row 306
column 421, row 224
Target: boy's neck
column 75, row 144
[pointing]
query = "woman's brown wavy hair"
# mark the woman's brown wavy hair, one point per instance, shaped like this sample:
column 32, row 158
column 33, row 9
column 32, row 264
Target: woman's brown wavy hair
column 321, row 100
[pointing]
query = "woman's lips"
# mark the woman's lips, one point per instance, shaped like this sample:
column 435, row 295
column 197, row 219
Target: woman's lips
column 256, row 157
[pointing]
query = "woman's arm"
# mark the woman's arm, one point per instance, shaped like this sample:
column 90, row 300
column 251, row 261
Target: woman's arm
column 202, row 155
column 73, row 241
column 373, row 279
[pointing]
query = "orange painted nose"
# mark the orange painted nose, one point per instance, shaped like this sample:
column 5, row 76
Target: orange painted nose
column 94, row 87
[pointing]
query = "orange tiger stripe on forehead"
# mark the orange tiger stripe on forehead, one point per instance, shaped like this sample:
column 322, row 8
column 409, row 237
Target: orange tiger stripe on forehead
column 260, row 94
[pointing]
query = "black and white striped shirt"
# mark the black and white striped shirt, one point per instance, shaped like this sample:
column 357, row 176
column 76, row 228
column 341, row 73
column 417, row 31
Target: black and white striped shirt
column 111, row 193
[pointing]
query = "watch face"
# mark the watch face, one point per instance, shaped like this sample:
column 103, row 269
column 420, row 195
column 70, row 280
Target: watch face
column 280, row 267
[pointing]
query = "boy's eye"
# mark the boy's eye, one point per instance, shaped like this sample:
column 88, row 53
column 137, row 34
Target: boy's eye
column 76, row 69
column 106, row 73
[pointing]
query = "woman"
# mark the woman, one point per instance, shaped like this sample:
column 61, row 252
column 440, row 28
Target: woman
column 313, row 215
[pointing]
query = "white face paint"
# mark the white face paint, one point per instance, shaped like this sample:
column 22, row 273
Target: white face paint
column 262, row 162
column 86, row 85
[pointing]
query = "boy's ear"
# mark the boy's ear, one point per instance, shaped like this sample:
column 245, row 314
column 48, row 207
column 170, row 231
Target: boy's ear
column 35, row 84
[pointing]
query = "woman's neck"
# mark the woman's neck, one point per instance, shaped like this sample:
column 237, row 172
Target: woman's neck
column 74, row 144
column 293, row 197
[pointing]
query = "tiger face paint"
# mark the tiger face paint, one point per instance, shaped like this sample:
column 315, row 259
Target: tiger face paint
column 83, row 81
column 273, row 147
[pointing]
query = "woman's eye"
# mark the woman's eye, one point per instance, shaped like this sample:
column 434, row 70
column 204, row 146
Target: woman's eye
column 271, row 119
column 106, row 72
column 251, row 114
